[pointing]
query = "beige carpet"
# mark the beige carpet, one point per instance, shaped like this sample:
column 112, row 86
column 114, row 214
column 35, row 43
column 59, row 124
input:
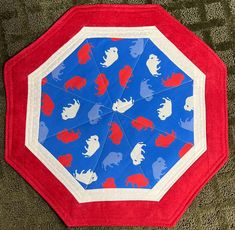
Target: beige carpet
column 22, row 21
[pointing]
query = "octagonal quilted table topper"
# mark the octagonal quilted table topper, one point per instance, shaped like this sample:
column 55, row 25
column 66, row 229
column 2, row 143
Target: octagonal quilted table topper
column 117, row 116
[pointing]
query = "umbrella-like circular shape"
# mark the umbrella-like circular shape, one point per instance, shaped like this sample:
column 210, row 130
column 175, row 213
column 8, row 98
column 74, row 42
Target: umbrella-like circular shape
column 116, row 111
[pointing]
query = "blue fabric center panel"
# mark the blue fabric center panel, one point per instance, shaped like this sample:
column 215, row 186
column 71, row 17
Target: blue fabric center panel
column 117, row 113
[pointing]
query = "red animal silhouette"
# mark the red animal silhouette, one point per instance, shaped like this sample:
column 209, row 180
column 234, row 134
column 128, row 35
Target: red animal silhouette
column 67, row 136
column 109, row 183
column 75, row 83
column 175, row 80
column 66, row 160
column 47, row 105
column 142, row 123
column 116, row 133
column 116, row 39
column 138, row 180
column 102, row 84
column 165, row 141
column 124, row 75
column 185, row 149
column 84, row 54
column 44, row 81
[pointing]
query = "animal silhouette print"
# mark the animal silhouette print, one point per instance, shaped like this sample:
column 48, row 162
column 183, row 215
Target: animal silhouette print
column 70, row 111
column 165, row 140
column 66, row 160
column 158, row 167
column 187, row 124
column 116, row 39
column 84, row 54
column 189, row 104
column 43, row 132
column 122, row 106
column 102, row 84
column 93, row 145
column 120, row 111
column 137, row 180
column 124, row 75
column 113, row 158
column 165, row 110
column 153, row 65
column 75, row 83
column 111, row 55
column 94, row 114
column 142, row 123
column 116, row 133
column 136, row 153
column 173, row 81
column 146, row 91
column 44, row 81
column 47, row 105
column 137, row 48
column 57, row 72
column 85, row 177
column 67, row 136
column 109, row 183
column 185, row 149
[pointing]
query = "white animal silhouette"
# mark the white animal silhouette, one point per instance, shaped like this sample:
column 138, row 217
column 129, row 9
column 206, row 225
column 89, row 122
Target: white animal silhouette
column 86, row 178
column 166, row 109
column 123, row 106
column 71, row 111
column 136, row 154
column 93, row 145
column 111, row 56
column 189, row 104
column 152, row 64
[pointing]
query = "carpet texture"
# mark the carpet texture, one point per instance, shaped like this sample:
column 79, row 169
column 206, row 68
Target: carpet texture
column 22, row 21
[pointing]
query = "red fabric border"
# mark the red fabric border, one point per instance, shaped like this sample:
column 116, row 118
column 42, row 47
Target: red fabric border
column 120, row 213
